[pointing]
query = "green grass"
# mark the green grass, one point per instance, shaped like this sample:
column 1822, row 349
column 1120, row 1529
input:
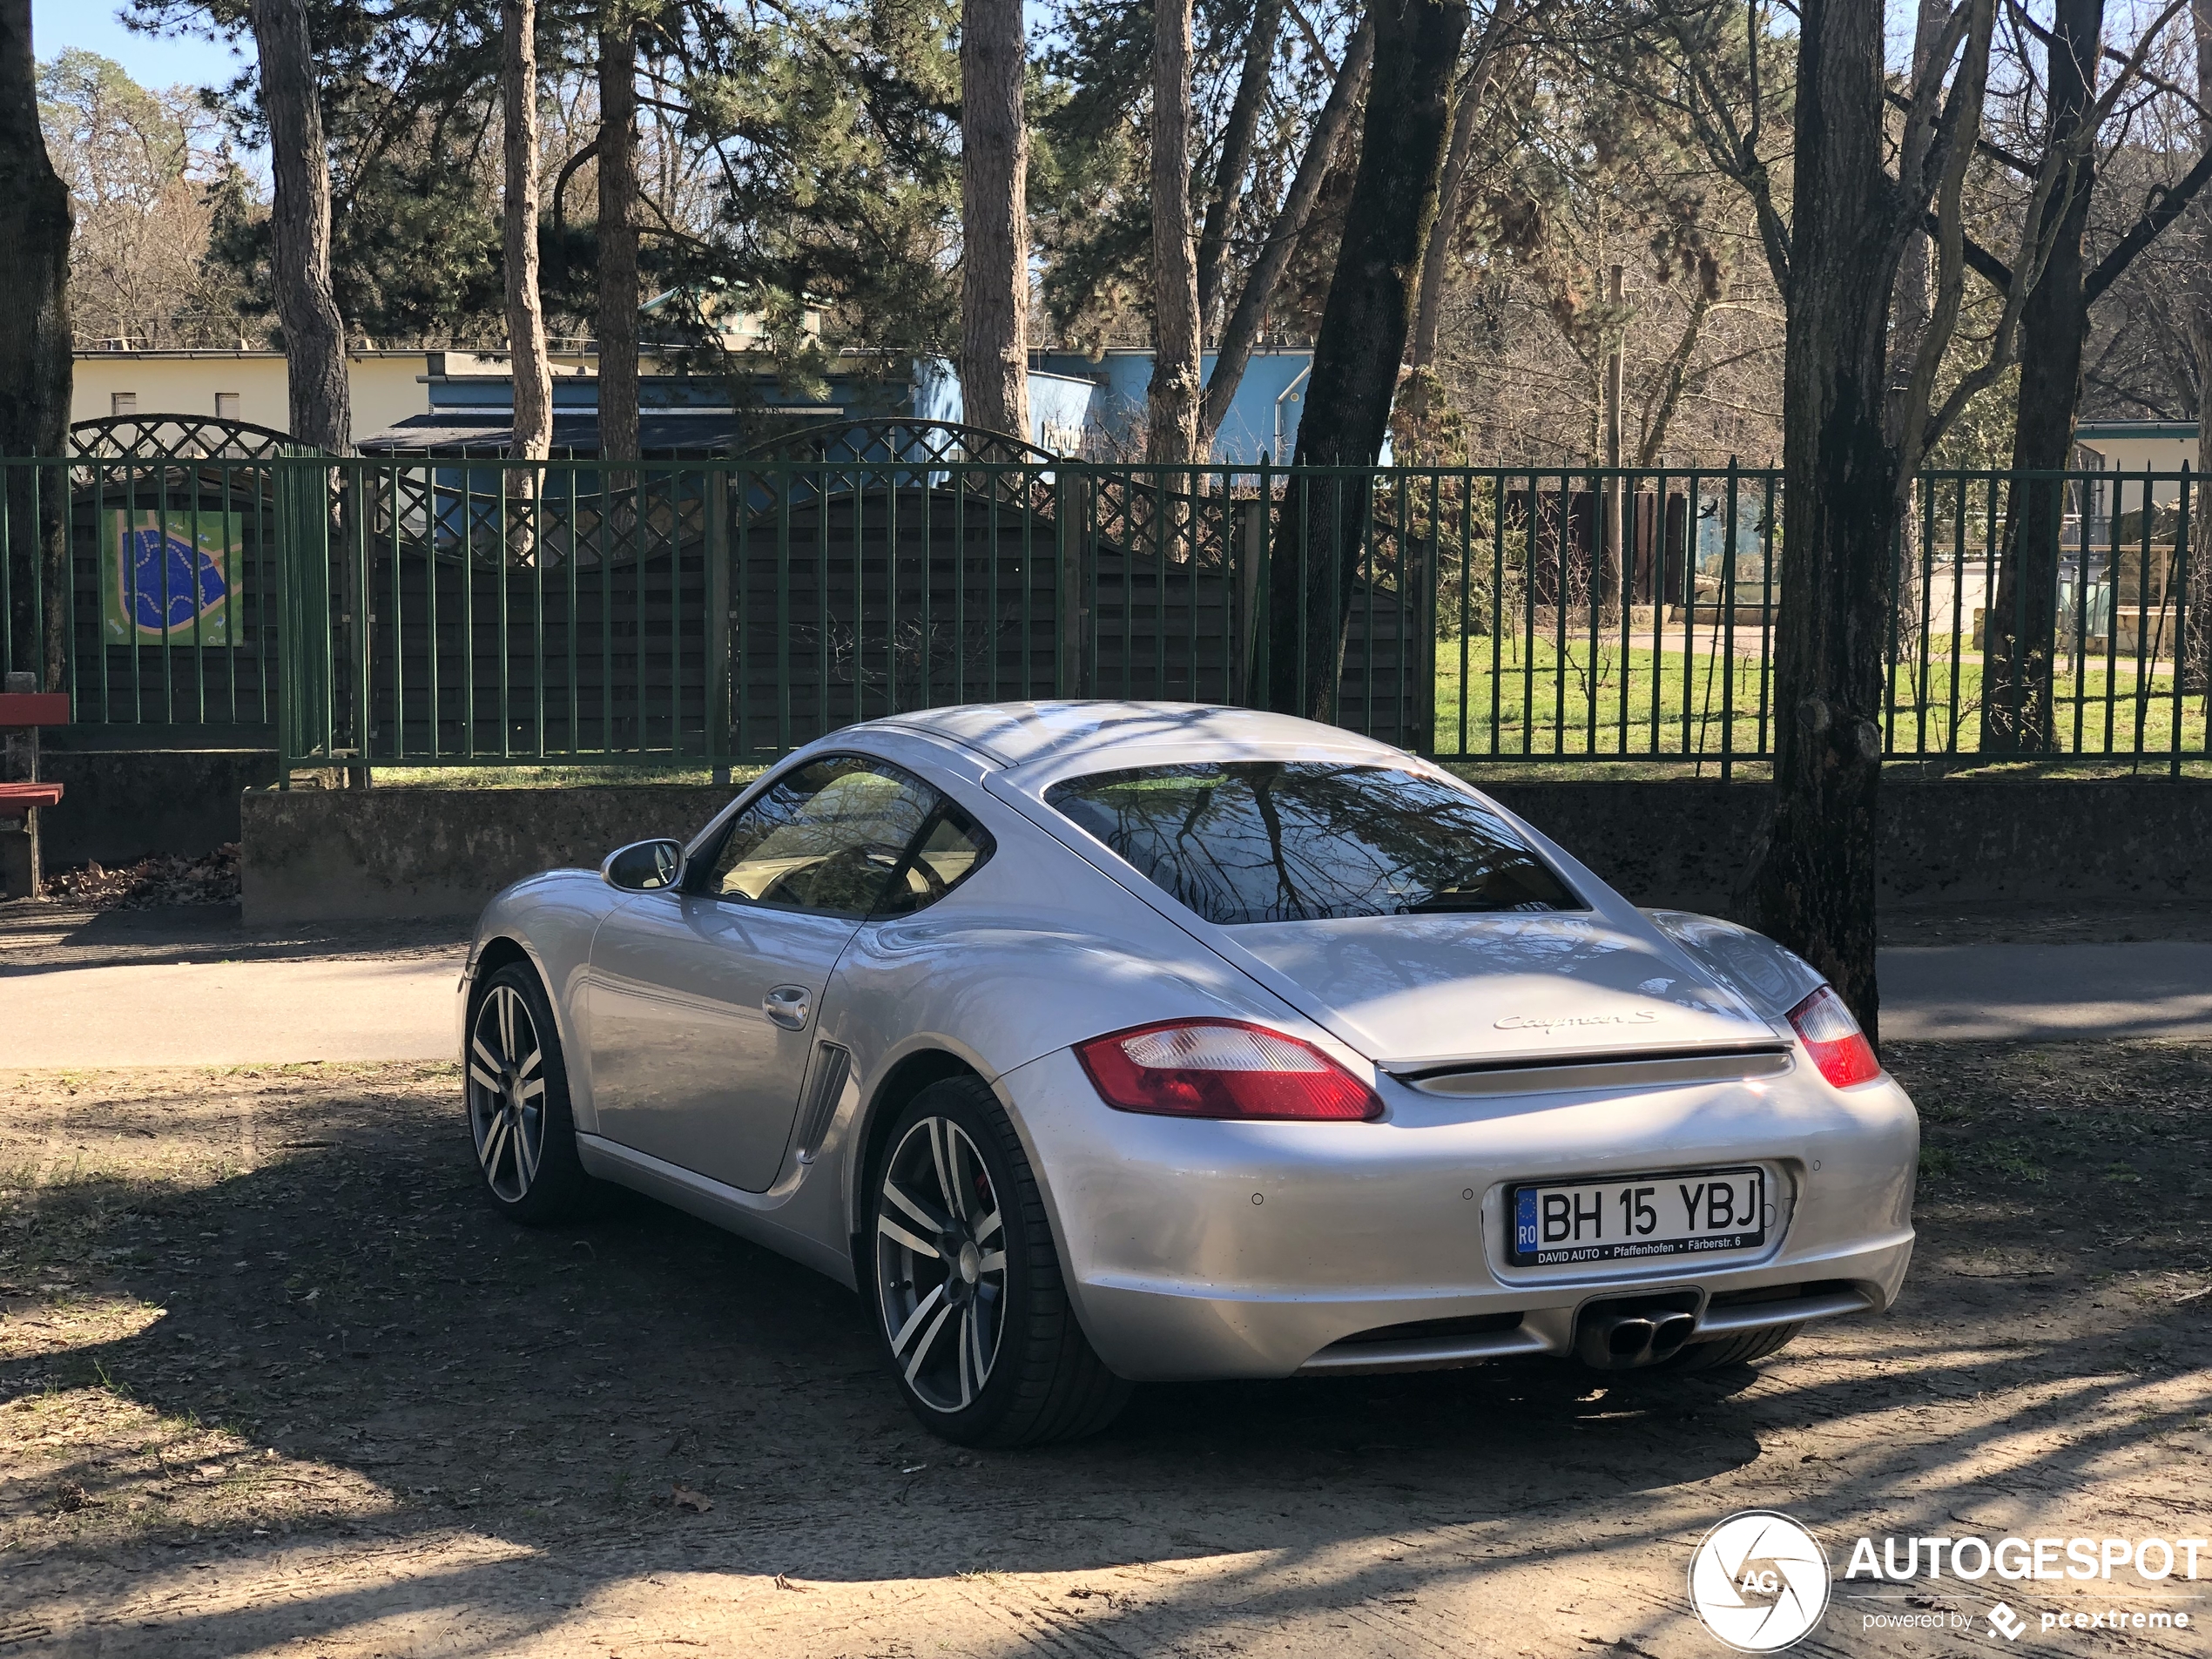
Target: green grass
column 509, row 776
column 1535, row 698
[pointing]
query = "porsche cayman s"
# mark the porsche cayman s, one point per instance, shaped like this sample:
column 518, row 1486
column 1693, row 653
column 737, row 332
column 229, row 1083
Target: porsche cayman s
column 1095, row 1043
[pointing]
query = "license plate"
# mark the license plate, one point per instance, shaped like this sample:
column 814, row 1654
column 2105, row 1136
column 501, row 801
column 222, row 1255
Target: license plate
column 1680, row 1213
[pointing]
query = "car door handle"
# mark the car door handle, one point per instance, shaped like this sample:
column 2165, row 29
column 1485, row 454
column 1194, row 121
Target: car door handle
column 788, row 1006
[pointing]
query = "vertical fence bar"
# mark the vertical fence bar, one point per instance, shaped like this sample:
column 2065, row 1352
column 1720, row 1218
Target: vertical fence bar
column 1728, row 634
column 2179, row 587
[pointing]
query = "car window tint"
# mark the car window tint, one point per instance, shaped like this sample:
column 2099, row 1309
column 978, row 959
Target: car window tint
column 1250, row 842
column 955, row 848
column 827, row 837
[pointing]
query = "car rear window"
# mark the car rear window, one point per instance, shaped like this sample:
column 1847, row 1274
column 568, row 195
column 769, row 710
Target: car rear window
column 1299, row 840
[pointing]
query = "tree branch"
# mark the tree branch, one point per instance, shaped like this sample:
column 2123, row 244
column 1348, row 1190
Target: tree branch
column 2170, row 205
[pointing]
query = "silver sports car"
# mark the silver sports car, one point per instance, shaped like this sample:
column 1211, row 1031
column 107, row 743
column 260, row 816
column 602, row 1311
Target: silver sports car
column 1102, row 1041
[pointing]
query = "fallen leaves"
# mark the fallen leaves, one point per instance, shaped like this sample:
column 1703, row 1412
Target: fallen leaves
column 684, row 1498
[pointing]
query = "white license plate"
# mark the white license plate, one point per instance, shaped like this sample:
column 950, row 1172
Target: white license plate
column 1683, row 1213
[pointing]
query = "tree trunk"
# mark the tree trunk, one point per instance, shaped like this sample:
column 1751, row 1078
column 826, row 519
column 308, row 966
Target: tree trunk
column 1362, row 341
column 1916, row 270
column 1172, row 402
column 619, row 295
column 1242, row 335
column 994, row 187
column 1436, row 259
column 34, row 364
column 1237, row 134
column 2021, row 637
column 307, row 306
column 1815, row 887
column 2197, row 637
column 1912, row 313
column 526, row 347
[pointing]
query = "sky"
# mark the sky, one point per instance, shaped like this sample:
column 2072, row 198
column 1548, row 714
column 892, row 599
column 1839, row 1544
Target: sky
column 149, row 61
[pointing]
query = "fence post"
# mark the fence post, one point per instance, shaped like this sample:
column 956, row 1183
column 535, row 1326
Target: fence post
column 1067, row 641
column 717, row 542
column 1252, row 587
column 2180, row 591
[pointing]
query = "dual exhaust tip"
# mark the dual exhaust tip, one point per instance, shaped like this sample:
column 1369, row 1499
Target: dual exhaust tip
column 1623, row 1336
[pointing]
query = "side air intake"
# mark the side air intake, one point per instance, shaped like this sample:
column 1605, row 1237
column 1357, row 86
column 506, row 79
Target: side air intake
column 833, row 1064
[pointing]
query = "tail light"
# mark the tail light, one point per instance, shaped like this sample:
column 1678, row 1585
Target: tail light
column 1833, row 1039
column 1221, row 1069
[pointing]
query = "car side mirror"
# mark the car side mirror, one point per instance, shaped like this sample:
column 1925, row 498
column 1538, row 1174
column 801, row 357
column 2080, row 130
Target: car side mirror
column 644, row 866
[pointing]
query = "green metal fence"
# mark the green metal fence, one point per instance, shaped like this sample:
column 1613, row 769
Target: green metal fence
column 413, row 611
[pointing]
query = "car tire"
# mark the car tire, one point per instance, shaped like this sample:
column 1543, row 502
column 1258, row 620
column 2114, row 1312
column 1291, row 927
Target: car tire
column 514, row 1086
column 1742, row 1349
column 970, row 1303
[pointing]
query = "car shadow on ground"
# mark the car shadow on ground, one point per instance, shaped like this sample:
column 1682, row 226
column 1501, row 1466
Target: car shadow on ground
column 264, row 1324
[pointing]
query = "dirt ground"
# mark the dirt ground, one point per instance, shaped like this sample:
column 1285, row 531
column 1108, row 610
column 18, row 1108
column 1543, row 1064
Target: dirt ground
column 274, row 1380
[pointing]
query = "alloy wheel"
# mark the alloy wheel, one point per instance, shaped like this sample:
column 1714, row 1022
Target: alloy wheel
column 507, row 1093
column 940, row 1263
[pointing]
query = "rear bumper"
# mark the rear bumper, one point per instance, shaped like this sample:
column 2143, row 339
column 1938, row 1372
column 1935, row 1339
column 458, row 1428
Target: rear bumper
column 1211, row 1250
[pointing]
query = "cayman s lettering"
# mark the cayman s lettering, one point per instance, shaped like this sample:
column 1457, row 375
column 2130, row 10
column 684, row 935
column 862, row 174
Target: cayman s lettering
column 1548, row 1023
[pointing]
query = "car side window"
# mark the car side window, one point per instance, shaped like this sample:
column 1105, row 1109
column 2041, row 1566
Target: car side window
column 827, row 837
column 953, row 847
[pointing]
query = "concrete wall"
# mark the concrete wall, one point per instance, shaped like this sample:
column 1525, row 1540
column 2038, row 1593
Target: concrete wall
column 1952, row 841
column 315, row 854
column 121, row 805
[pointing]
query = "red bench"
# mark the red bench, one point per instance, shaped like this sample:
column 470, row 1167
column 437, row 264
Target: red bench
column 17, row 800
column 25, row 712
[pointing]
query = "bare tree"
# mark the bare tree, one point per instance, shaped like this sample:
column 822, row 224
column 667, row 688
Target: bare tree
column 1835, row 259
column 1451, row 196
column 1172, row 402
column 1242, row 333
column 1362, row 338
column 306, row 305
column 526, row 343
column 2020, row 648
column 34, row 369
column 994, row 258
column 2198, row 645
column 1239, row 134
column 618, row 169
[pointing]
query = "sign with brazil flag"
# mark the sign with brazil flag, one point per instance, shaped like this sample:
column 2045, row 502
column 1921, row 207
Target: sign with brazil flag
column 170, row 576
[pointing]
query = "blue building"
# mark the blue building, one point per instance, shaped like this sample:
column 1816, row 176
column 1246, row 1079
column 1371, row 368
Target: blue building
column 1264, row 415
column 1076, row 405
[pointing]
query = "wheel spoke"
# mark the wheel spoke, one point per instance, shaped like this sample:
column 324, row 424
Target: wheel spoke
column 945, row 1150
column 893, row 1232
column 478, row 1076
column 922, row 1212
column 533, row 1088
column 975, row 1334
column 507, row 999
column 994, row 1262
column 987, row 1228
column 530, row 1064
column 914, row 1320
column 525, row 1160
column 495, row 1142
column 929, row 1337
column 483, row 1052
column 967, row 1347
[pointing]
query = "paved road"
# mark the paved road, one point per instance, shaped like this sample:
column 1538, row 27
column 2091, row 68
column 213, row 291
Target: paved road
column 239, row 1013
column 229, row 1014
column 1984, row 992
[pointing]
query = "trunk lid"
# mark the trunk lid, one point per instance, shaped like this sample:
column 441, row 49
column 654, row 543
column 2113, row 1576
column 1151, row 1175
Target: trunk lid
column 1422, row 992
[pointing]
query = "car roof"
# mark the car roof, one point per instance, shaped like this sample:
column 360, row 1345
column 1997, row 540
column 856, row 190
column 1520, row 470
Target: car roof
column 1104, row 733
